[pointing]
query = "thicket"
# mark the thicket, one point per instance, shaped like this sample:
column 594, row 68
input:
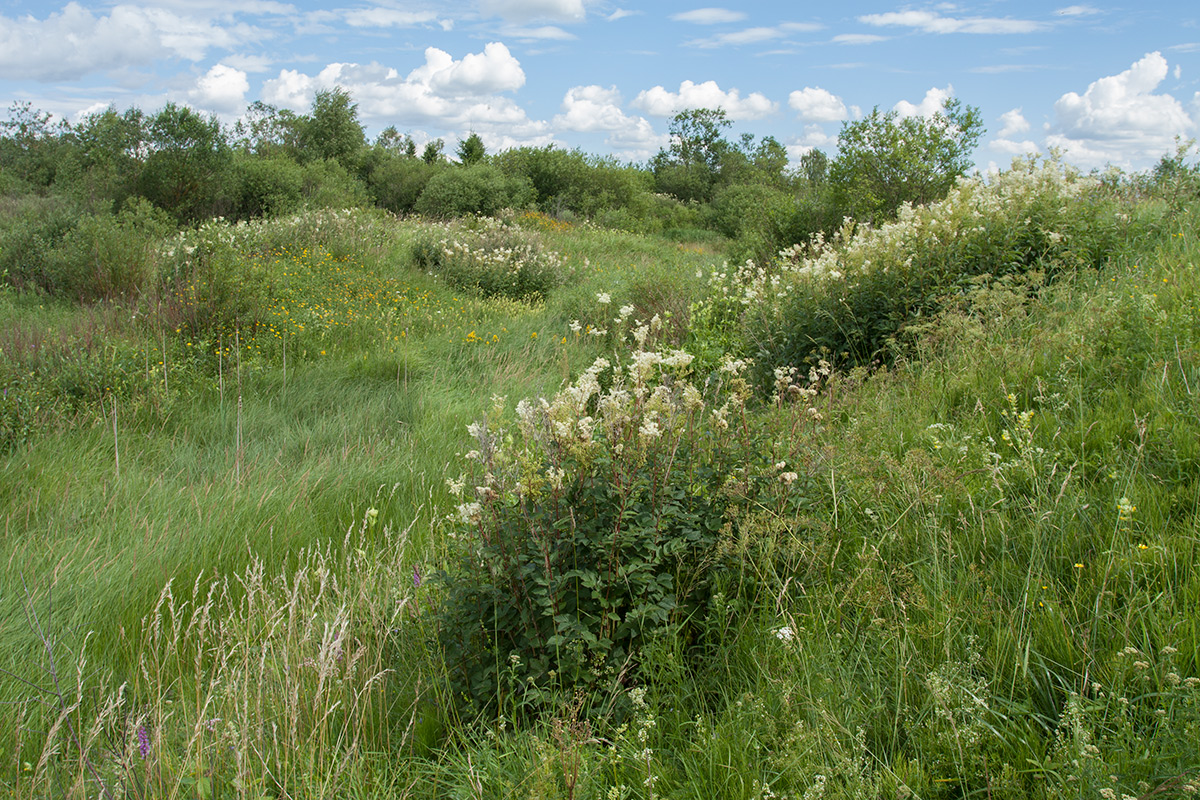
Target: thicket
column 702, row 186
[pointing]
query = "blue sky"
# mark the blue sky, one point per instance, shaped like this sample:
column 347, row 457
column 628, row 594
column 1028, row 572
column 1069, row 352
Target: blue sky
column 1105, row 83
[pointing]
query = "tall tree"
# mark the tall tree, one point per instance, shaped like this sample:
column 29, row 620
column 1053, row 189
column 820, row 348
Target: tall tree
column 187, row 165
column 688, row 168
column 471, row 150
column 885, row 160
column 332, row 130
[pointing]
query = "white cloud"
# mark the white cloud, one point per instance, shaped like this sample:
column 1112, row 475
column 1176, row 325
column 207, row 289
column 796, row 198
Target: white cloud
column 520, row 11
column 817, row 105
column 933, row 102
column 858, row 38
column 933, row 22
column 755, row 35
column 443, row 92
column 814, row 137
column 659, row 102
column 73, row 42
column 622, row 13
column 1119, row 119
column 709, row 16
column 388, row 18
column 1013, row 123
column 222, row 89
column 1077, row 11
column 592, row 108
column 248, row 63
column 543, row 32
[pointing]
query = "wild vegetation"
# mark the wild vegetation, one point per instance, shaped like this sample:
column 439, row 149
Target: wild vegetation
column 708, row 478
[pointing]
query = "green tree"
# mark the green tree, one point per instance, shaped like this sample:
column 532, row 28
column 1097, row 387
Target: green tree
column 265, row 130
column 688, row 168
column 110, row 147
column 188, row 162
column 433, row 151
column 471, row 150
column 31, row 143
column 333, row 131
column 885, row 160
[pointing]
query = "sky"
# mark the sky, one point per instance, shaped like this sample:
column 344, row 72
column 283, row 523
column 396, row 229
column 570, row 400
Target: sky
column 1104, row 83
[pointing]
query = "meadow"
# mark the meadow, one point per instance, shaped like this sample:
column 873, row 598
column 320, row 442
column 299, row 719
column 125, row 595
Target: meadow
column 340, row 504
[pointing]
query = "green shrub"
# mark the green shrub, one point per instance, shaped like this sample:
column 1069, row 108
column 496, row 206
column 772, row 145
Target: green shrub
column 479, row 189
column 850, row 297
column 107, row 257
column 31, row 228
column 398, row 182
column 266, row 186
column 591, row 522
column 496, row 260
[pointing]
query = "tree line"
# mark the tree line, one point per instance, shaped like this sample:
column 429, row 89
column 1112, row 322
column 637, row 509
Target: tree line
column 188, row 167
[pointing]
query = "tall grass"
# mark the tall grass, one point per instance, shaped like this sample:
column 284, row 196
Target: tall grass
column 982, row 582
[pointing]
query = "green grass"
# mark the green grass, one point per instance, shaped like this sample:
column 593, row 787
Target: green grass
column 983, row 584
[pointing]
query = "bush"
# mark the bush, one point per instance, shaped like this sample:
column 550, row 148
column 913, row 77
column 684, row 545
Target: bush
column 398, row 182
column 266, row 185
column 111, row 256
column 850, row 297
column 480, row 189
column 591, row 524
column 494, row 261
column 31, row 228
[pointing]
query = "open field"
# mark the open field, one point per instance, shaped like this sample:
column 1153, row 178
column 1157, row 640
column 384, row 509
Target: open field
column 912, row 514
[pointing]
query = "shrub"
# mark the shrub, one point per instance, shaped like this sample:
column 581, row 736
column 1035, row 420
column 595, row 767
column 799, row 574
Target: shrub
column 110, row 256
column 266, row 185
column 590, row 522
column 850, row 296
column 479, row 189
column 497, row 260
column 398, row 182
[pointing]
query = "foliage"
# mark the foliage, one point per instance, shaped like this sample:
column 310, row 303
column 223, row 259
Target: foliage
column 885, row 160
column 397, row 182
column 471, row 150
column 491, row 260
column 332, row 131
column 589, row 526
column 266, row 186
column 186, row 170
column 850, row 298
column 480, row 189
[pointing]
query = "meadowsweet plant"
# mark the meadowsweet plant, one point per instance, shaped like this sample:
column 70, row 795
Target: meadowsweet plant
column 850, row 295
column 590, row 520
column 491, row 258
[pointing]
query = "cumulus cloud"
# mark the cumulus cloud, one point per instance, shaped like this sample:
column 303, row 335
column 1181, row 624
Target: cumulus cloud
column 74, row 42
column 933, row 22
column 933, row 102
column 1012, row 125
column 658, row 102
column 1119, row 119
column 521, row 11
column 453, row 94
column 592, row 108
column 222, row 89
column 589, row 109
column 815, row 137
column 817, row 105
column 709, row 16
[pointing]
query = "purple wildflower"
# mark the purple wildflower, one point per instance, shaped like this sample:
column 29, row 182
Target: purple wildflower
column 416, row 577
column 143, row 737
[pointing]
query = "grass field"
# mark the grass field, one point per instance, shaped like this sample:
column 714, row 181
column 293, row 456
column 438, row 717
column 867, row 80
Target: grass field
column 963, row 566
